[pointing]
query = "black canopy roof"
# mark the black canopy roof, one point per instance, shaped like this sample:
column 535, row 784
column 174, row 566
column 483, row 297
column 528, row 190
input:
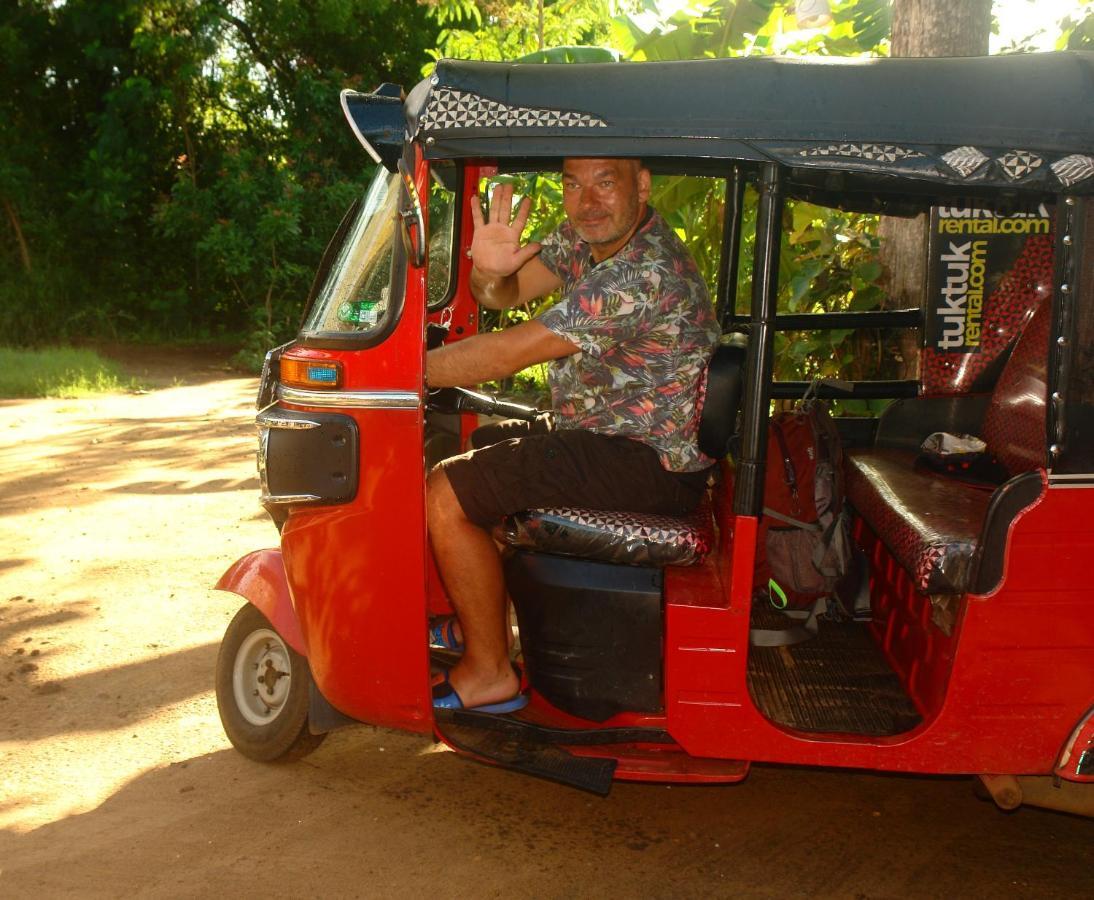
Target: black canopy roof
column 1023, row 121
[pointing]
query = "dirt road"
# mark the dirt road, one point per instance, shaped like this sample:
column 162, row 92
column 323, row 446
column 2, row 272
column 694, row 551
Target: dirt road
column 116, row 516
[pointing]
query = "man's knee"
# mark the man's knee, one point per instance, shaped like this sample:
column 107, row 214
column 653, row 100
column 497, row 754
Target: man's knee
column 442, row 505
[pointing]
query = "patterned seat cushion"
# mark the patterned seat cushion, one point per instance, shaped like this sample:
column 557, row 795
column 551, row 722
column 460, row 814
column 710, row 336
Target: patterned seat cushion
column 930, row 523
column 634, row 539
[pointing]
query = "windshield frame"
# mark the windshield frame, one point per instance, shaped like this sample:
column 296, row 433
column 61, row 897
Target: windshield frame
column 361, row 340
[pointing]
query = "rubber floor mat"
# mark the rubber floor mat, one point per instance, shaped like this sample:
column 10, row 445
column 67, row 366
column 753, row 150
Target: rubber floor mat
column 838, row 681
column 529, row 756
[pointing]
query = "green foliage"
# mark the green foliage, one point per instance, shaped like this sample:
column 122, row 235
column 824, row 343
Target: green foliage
column 56, row 372
column 499, row 31
column 175, row 167
column 1077, row 31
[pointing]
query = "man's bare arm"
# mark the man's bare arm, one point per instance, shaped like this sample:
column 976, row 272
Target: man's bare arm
column 531, row 280
column 495, row 354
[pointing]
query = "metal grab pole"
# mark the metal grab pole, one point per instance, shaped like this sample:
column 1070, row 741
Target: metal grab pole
column 731, row 249
column 749, row 497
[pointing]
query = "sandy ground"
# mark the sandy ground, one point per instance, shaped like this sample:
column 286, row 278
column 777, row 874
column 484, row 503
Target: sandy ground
column 118, row 513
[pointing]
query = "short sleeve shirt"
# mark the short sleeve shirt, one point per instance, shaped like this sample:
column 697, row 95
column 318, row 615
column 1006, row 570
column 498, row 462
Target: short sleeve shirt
column 645, row 327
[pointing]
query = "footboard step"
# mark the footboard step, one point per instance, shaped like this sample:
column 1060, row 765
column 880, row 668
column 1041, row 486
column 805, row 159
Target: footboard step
column 531, row 757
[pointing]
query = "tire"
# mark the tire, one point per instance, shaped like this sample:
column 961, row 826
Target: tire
column 265, row 718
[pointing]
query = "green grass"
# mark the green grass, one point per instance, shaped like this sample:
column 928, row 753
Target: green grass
column 57, row 372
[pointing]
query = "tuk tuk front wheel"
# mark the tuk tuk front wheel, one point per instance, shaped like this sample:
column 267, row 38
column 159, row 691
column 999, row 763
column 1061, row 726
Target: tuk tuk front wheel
column 262, row 688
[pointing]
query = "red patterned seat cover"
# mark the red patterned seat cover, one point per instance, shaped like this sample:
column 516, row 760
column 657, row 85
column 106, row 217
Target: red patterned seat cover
column 1007, row 311
column 930, row 523
column 1014, row 425
column 635, row 539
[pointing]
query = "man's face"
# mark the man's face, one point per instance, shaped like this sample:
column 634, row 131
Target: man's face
column 604, row 199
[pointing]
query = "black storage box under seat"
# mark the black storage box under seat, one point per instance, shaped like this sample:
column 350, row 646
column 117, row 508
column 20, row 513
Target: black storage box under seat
column 590, row 632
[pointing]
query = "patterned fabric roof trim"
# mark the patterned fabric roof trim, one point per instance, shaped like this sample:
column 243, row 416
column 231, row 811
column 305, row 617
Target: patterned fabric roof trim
column 964, row 160
column 950, row 165
column 634, row 539
column 1073, row 169
column 450, row 108
column 875, row 152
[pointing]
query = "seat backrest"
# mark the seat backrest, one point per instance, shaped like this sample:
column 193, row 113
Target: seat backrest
column 722, row 396
column 1006, row 310
column 1015, row 422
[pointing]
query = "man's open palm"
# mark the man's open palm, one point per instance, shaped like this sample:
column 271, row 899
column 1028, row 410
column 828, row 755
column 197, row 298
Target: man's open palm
column 495, row 246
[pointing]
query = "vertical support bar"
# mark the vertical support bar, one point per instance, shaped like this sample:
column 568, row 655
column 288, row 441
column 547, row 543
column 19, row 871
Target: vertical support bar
column 730, row 261
column 749, row 497
column 1063, row 330
column 1070, row 377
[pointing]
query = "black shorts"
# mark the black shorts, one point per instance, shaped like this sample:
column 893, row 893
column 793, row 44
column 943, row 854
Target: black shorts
column 525, row 465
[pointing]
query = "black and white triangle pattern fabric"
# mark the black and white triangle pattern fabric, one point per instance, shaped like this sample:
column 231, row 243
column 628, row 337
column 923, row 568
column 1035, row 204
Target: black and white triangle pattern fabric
column 618, row 537
column 1019, row 163
column 875, row 152
column 449, row 108
column 1073, row 169
column 964, row 160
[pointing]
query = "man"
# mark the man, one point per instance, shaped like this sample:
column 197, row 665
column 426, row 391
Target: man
column 628, row 344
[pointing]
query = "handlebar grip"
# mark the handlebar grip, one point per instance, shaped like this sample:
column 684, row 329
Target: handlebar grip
column 514, row 410
column 457, row 400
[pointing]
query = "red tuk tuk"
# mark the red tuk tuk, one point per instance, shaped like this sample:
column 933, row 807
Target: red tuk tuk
column 976, row 653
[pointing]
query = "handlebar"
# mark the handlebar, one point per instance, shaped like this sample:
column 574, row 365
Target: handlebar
column 456, row 400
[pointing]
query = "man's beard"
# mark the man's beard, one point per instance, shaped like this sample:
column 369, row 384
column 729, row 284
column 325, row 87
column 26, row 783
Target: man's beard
column 615, row 235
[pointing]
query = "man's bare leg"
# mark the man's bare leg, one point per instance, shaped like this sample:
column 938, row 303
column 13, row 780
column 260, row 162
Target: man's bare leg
column 470, row 567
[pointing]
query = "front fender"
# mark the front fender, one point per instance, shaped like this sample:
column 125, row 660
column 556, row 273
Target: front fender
column 259, row 578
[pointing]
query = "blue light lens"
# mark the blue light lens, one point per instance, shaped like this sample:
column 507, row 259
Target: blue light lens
column 325, row 375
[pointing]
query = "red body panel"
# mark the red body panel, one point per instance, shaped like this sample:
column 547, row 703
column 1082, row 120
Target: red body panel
column 1020, row 678
column 358, row 571
column 259, row 578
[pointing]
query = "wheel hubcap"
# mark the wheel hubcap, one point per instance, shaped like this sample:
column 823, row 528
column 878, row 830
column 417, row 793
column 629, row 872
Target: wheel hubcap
column 262, row 676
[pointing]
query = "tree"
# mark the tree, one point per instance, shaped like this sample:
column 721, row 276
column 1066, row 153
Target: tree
column 175, row 167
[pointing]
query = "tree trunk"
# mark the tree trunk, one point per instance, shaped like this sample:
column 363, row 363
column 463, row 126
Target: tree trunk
column 924, row 28
column 13, row 217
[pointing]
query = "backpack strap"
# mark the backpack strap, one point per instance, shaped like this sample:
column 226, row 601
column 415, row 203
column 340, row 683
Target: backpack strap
column 797, row 523
column 786, row 637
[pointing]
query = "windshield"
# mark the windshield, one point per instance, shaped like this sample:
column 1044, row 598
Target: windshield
column 356, row 294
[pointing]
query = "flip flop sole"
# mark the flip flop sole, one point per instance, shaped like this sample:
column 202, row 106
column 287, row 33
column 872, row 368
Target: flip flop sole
column 451, row 700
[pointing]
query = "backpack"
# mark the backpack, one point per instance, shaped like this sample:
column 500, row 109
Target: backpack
column 803, row 553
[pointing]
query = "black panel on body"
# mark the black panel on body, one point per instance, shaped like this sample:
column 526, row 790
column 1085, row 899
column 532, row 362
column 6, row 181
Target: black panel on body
column 1006, row 503
column 321, row 461
column 322, row 716
column 590, row 633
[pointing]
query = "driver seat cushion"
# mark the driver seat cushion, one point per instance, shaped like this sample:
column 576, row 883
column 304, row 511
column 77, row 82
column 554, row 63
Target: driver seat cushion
column 624, row 538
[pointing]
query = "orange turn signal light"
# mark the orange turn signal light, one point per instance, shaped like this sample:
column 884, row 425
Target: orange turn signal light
column 308, row 373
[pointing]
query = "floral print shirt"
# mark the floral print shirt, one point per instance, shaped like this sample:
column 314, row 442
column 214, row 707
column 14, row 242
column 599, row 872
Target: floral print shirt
column 645, row 327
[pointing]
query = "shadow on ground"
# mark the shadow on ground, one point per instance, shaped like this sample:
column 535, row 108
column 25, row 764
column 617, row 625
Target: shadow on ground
column 375, row 813
column 108, row 698
column 116, row 453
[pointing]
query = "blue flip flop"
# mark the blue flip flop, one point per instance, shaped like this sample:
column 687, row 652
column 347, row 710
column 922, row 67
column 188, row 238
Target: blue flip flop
column 442, row 634
column 445, row 697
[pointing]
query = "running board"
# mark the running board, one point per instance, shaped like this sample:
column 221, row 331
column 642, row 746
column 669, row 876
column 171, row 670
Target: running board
column 518, row 750
column 545, row 734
